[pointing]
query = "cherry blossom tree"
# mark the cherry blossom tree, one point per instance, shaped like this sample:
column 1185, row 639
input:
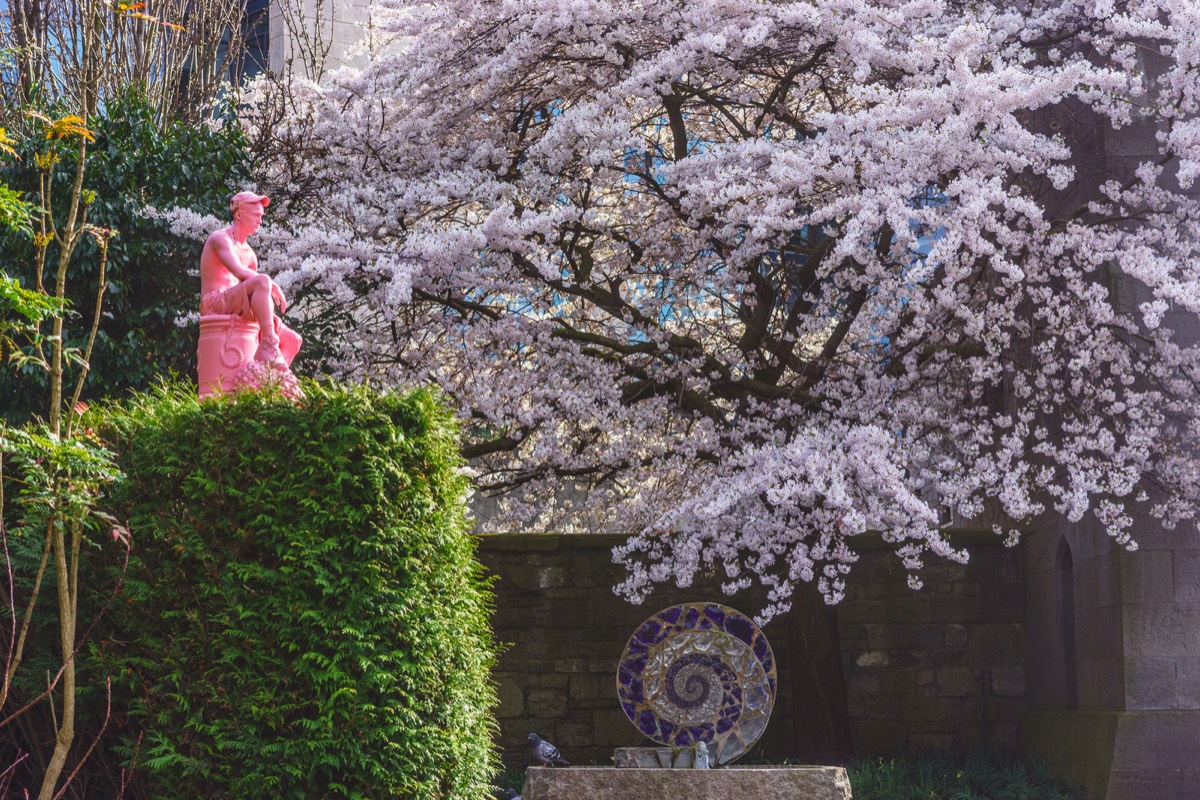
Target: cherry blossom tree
column 757, row 278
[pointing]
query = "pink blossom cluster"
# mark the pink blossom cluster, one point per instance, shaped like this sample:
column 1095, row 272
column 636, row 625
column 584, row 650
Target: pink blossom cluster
column 759, row 279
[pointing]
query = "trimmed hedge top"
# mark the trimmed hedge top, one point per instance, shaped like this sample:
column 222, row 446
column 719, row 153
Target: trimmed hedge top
column 306, row 616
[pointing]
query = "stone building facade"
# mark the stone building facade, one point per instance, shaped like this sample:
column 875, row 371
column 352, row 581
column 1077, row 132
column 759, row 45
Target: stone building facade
column 1114, row 655
column 312, row 37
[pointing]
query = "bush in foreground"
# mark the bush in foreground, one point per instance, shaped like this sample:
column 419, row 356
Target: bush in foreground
column 304, row 616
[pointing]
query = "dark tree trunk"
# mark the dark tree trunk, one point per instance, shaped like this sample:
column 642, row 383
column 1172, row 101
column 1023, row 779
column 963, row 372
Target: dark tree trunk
column 29, row 37
column 820, row 717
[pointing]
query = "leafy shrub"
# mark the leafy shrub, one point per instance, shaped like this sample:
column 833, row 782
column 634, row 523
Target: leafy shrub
column 305, row 617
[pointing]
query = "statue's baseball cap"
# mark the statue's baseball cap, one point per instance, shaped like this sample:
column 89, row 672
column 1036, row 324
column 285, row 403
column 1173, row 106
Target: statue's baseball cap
column 247, row 198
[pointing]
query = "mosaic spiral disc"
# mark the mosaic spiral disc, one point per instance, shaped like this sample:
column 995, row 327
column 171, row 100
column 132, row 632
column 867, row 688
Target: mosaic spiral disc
column 699, row 672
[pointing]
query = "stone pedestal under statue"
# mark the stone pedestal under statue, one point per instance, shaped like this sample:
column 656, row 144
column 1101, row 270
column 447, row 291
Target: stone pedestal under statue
column 227, row 344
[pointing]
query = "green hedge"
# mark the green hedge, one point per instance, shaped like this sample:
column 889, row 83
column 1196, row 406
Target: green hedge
column 304, row 616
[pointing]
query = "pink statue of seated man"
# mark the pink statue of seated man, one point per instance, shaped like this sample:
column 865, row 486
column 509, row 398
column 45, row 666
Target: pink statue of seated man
column 231, row 284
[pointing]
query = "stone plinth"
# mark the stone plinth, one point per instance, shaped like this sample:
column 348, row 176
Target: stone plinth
column 227, row 343
column 744, row 783
column 654, row 757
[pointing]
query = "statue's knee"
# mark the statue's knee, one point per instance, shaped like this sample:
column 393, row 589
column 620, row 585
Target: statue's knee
column 289, row 342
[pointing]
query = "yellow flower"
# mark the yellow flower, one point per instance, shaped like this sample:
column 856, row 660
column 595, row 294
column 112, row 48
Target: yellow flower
column 70, row 125
column 6, row 143
column 135, row 10
column 45, row 161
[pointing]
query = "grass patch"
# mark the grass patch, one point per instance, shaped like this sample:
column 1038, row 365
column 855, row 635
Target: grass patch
column 978, row 776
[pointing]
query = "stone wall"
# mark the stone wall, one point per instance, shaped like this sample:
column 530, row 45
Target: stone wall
column 935, row 669
column 942, row 668
column 565, row 631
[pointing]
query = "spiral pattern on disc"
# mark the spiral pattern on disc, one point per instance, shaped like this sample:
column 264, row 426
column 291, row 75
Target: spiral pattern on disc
column 699, row 672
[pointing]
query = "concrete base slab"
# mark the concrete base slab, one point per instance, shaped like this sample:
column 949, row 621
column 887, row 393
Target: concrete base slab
column 743, row 783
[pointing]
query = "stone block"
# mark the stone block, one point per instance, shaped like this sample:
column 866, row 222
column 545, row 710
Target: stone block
column 610, row 783
column 879, row 737
column 1150, row 683
column 548, row 577
column 1004, row 709
column 1100, row 684
column 995, row 644
column 862, row 613
column 1108, row 579
column 897, row 682
column 959, row 610
column 552, row 680
column 879, row 636
column 956, row 635
column 570, row 665
column 1168, row 630
column 957, row 682
column 1007, row 681
column 572, row 734
column 1086, row 581
column 1187, row 676
column 1148, row 577
column 611, row 728
column 1186, row 565
column 931, row 637
column 1000, row 738
column 873, row 658
column 547, row 703
column 850, row 633
column 585, row 687
column 930, row 742
column 906, row 608
column 873, row 707
column 347, row 33
column 1003, row 601
column 863, row 684
column 511, row 698
column 541, row 649
column 916, row 709
column 601, row 702
column 604, row 666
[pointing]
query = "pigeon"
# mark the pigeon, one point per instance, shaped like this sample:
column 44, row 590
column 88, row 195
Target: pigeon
column 701, row 761
column 511, row 794
column 545, row 752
